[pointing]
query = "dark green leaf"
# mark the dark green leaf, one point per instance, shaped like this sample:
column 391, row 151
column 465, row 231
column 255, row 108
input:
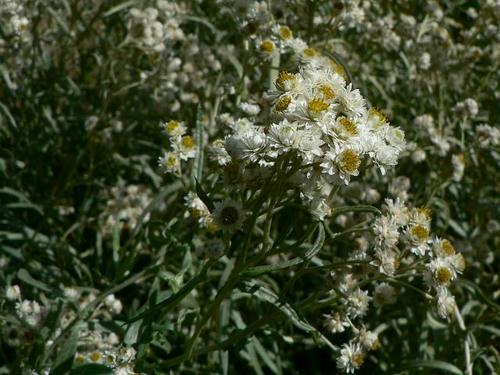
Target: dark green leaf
column 434, row 364
column 255, row 271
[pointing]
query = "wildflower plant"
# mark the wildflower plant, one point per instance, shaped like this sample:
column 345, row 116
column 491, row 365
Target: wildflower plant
column 249, row 187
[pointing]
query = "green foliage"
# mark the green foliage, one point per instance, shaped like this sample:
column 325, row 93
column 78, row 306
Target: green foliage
column 123, row 267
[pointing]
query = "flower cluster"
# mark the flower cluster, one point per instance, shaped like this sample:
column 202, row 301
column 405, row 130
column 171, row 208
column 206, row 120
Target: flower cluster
column 281, row 211
column 412, row 227
column 124, row 207
column 119, row 359
column 183, row 147
column 154, row 28
column 323, row 125
column 13, row 17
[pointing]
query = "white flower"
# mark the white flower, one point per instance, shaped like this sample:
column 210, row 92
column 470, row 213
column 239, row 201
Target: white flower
column 384, row 294
column 13, row 293
column 357, row 303
column 440, row 272
column 319, row 208
column 351, row 357
column 458, row 163
column 186, row 147
column 444, row 250
column 228, row 215
column 309, row 144
column 440, row 141
column 113, row 304
column 418, row 238
column 418, row 156
column 253, row 143
column 445, row 302
column 386, row 260
column 219, row 152
column 30, row 311
column 174, row 128
column 71, row 293
column 348, row 161
column 335, row 323
column 372, row 195
column 211, row 248
column 386, row 231
column 397, row 211
column 127, row 354
column 421, row 216
column 250, row 109
column 170, row 162
column 283, row 136
column 352, row 101
column 425, row 61
column 424, row 121
column 195, row 205
column 487, row 135
column 367, row 339
column 12, row 336
column 471, row 107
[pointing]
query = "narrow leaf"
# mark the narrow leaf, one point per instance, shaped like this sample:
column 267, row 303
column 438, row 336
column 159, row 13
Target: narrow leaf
column 440, row 365
column 64, row 360
column 359, row 208
column 25, row 276
column 255, row 271
column 204, row 197
column 197, row 170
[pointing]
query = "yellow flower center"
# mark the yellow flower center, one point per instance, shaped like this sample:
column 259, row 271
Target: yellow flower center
column 79, row 359
column 425, row 211
column 267, row 46
column 285, row 32
column 348, row 126
column 195, row 212
column 283, row 103
column 349, row 161
column 172, row 125
column 443, row 275
column 212, row 227
column 327, row 92
column 379, row 114
column 171, row 161
column 310, row 52
column 447, row 247
column 95, row 356
column 358, row 359
column 188, row 142
column 317, row 105
column 420, row 232
column 285, row 80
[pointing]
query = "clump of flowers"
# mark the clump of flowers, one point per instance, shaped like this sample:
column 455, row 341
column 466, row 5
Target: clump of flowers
column 155, row 28
column 124, row 207
column 183, row 147
column 322, row 128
